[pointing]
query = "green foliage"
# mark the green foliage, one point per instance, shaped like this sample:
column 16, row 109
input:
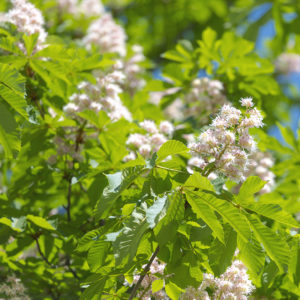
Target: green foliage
column 81, row 221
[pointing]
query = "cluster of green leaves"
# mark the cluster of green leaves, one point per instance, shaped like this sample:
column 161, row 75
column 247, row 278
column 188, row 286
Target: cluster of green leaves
column 82, row 231
column 195, row 225
column 232, row 60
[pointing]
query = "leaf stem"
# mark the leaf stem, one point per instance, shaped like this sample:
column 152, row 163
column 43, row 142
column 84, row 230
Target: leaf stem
column 168, row 169
column 144, row 273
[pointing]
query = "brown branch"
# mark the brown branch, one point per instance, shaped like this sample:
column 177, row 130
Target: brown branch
column 146, row 270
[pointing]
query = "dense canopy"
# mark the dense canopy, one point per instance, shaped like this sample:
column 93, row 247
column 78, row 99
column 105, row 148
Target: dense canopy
column 147, row 149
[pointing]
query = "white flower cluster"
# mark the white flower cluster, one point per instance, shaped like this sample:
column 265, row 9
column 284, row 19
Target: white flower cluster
column 260, row 163
column 132, row 69
column 234, row 284
column 104, row 95
column 226, row 145
column 205, row 95
column 89, row 8
column 13, row 288
column 146, row 144
column 67, row 145
column 155, row 268
column 109, row 36
column 288, row 63
column 28, row 19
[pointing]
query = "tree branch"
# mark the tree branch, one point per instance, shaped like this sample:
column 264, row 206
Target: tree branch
column 146, row 270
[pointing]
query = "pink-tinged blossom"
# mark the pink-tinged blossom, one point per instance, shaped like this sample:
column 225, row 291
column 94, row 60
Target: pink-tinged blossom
column 132, row 69
column 247, row 102
column 206, row 96
column 88, row 8
column 28, row 19
column 227, row 143
column 104, row 95
column 260, row 164
column 70, row 6
column 91, row 8
column 149, row 126
column 109, row 36
column 288, row 63
column 233, row 284
column 149, row 142
column 156, row 268
column 67, row 146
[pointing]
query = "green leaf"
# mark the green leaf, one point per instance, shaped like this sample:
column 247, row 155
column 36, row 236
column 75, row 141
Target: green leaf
column 204, row 212
column 8, row 223
column 166, row 228
column 16, row 101
column 275, row 246
column 157, row 285
column 117, row 183
column 220, row 254
column 173, row 291
column 127, row 242
column 97, row 254
column 12, row 89
column 252, row 255
column 9, row 44
column 154, row 211
column 209, row 37
column 30, row 42
column 198, row 181
column 170, row 148
column 229, row 213
column 294, row 263
column 274, row 212
column 94, row 291
column 9, row 136
column 40, row 222
column 252, row 185
column 288, row 136
column 12, row 79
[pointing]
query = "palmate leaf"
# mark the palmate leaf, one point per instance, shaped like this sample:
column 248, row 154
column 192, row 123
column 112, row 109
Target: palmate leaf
column 12, row 88
column 204, row 212
column 229, row 213
column 276, row 248
column 117, row 183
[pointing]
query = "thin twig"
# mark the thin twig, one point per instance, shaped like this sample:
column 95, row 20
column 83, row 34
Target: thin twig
column 146, row 270
column 40, row 251
column 70, row 268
